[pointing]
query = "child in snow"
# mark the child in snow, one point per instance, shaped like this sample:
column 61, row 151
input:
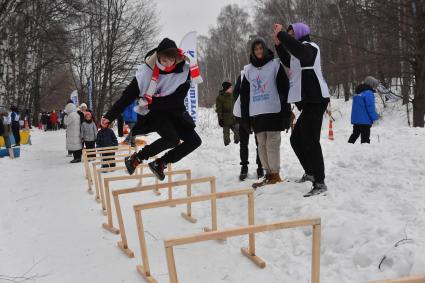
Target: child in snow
column 105, row 138
column 88, row 132
column 264, row 107
column 363, row 112
column 161, row 85
column 224, row 108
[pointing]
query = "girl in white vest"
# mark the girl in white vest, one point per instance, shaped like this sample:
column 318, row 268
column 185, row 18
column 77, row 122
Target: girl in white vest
column 310, row 93
column 264, row 107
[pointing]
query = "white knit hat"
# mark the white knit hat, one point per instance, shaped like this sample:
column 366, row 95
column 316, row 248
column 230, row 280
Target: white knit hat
column 83, row 105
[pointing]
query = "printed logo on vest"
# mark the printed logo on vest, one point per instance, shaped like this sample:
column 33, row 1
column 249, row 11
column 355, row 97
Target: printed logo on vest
column 260, row 90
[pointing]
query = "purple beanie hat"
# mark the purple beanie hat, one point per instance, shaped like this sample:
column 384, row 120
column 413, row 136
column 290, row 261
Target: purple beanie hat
column 300, row 30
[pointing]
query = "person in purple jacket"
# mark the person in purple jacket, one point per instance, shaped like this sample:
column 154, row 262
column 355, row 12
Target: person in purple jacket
column 363, row 112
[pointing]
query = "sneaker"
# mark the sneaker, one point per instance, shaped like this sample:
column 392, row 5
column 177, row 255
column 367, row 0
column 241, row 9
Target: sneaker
column 318, row 188
column 305, row 178
column 244, row 173
column 132, row 162
column 157, row 167
column 260, row 172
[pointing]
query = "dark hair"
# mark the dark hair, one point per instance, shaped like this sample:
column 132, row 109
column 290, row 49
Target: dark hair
column 169, row 53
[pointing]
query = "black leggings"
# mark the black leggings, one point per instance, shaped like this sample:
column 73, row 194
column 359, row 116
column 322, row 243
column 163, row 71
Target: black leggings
column 171, row 133
column 243, row 151
column 305, row 140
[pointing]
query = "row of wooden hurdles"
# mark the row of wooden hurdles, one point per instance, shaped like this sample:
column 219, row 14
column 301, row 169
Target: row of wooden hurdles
column 103, row 195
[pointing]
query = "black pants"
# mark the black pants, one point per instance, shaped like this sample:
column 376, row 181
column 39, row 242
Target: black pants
column 77, row 154
column 360, row 130
column 89, row 145
column 243, row 150
column 120, row 122
column 171, row 132
column 15, row 131
column 305, row 140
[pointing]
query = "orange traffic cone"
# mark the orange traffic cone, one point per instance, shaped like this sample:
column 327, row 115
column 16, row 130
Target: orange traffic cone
column 331, row 131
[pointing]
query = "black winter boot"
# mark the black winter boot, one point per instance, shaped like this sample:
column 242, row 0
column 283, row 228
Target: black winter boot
column 260, row 172
column 132, row 162
column 244, row 172
column 157, row 167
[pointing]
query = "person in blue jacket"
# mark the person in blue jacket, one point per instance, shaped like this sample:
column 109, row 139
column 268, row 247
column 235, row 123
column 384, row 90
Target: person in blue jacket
column 130, row 118
column 363, row 112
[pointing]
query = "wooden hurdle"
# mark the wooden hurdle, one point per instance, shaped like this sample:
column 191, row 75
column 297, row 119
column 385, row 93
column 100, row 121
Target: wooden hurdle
column 144, row 268
column 99, row 150
column 101, row 158
column 412, row 279
column 249, row 252
column 98, row 171
column 108, row 208
column 123, row 244
column 98, row 179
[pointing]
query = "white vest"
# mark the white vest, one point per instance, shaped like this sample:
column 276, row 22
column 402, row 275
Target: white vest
column 295, row 73
column 237, row 106
column 167, row 84
column 264, row 97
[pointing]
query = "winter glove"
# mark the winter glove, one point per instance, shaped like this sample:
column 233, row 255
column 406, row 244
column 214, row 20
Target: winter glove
column 221, row 122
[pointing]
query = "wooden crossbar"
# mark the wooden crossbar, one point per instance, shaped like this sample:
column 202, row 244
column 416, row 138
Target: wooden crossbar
column 144, row 268
column 251, row 230
column 411, row 279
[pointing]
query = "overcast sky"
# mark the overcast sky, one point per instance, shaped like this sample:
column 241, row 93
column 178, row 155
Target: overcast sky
column 178, row 17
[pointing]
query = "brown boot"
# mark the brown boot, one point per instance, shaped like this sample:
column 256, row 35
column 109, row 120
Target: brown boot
column 263, row 182
column 274, row 178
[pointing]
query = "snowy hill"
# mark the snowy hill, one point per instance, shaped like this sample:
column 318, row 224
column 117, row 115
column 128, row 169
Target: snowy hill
column 50, row 228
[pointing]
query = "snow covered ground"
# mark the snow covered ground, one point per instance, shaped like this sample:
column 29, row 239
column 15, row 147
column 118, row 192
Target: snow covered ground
column 50, row 228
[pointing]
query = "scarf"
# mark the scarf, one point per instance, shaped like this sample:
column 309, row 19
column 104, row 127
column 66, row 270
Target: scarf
column 146, row 99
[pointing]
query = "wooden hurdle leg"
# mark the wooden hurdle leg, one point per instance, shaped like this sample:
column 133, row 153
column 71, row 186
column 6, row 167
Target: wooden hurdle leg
column 171, row 263
column 213, row 212
column 88, row 177
column 250, row 253
column 123, row 244
column 143, row 269
column 157, row 191
column 109, row 225
column 315, row 270
column 101, row 193
column 170, row 188
column 188, row 215
column 96, row 197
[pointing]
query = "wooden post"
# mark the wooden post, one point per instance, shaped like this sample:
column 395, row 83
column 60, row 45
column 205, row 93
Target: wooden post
column 171, row 263
column 109, row 226
column 188, row 214
column 123, row 244
column 143, row 269
column 315, row 264
column 251, row 222
column 170, row 192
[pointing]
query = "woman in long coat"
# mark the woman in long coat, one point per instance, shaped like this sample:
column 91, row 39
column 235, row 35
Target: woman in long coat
column 73, row 137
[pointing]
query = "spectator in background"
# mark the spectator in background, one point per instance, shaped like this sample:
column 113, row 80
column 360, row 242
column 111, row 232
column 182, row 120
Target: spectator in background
column 73, row 138
column 105, row 138
column 363, row 112
column 15, row 117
